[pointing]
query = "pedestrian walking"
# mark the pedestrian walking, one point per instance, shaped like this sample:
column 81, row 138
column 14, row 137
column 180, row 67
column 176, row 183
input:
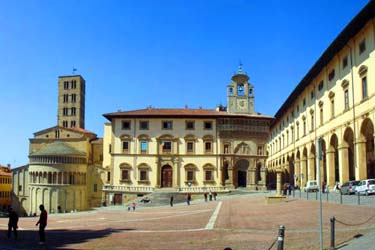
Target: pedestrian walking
column 188, row 198
column 205, row 196
column 215, row 194
column 210, row 195
column 133, row 206
column 323, row 186
column 13, row 223
column 42, row 222
column 171, row 201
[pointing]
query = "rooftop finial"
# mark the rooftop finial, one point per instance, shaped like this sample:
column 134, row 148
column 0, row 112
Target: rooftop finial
column 240, row 68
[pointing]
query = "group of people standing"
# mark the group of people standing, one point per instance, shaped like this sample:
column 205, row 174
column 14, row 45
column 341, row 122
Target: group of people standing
column 13, row 223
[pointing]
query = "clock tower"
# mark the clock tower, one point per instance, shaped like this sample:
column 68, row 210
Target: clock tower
column 240, row 94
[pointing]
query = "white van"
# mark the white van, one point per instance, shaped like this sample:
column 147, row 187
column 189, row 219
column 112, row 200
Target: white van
column 366, row 187
column 311, row 186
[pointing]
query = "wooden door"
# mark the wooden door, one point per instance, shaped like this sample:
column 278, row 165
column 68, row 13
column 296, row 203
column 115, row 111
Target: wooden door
column 166, row 176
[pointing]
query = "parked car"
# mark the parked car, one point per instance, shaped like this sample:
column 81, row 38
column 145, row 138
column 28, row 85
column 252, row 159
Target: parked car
column 311, row 186
column 366, row 187
column 349, row 187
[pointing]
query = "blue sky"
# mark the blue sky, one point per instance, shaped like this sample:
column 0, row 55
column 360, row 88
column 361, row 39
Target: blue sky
column 167, row 54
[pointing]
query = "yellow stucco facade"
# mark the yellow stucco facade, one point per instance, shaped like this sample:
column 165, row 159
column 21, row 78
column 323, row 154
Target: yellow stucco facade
column 332, row 108
column 5, row 187
column 187, row 150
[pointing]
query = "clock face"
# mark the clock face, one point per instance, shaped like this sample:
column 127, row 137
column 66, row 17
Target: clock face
column 241, row 104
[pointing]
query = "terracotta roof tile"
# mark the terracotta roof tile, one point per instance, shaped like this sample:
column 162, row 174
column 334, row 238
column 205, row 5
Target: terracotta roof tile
column 156, row 112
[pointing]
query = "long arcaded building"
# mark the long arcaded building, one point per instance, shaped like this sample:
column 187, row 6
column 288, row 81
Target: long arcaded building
column 332, row 108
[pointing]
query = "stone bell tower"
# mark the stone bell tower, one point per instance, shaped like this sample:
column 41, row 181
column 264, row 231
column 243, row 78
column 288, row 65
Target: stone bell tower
column 71, row 102
column 240, row 94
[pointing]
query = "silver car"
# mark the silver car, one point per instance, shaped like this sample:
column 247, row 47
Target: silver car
column 366, row 187
column 349, row 187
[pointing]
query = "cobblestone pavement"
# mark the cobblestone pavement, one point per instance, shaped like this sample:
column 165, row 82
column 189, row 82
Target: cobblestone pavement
column 240, row 221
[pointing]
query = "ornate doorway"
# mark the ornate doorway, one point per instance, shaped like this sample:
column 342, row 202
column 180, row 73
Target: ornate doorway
column 166, row 176
column 242, row 167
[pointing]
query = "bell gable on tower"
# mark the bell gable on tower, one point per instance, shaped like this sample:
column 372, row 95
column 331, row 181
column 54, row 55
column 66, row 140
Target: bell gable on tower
column 240, row 95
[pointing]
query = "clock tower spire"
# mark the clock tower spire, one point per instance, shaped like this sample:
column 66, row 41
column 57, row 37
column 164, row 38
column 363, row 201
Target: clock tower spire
column 240, row 93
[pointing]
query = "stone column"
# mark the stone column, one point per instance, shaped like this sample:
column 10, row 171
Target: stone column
column 251, row 178
column 330, row 154
column 311, row 174
column 264, row 177
column 361, row 160
column 344, row 163
column 303, row 176
column 297, row 172
column 278, row 181
column 229, row 181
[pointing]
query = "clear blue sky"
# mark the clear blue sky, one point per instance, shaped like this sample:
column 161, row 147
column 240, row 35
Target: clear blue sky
column 167, row 54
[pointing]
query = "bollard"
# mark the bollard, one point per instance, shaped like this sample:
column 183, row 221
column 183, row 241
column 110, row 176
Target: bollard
column 300, row 193
column 316, row 195
column 307, row 195
column 358, row 199
column 293, row 193
column 327, row 196
column 280, row 238
column 332, row 233
column 340, row 197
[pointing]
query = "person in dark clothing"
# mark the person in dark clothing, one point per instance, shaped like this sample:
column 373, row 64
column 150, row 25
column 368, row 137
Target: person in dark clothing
column 171, row 201
column 13, row 223
column 188, row 198
column 42, row 222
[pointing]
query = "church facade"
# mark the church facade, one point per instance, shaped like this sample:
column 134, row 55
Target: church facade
column 187, row 150
column 326, row 125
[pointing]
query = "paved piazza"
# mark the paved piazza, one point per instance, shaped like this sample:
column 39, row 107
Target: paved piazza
column 241, row 222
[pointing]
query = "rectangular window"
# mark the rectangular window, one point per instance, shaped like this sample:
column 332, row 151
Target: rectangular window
column 190, row 175
column 304, row 102
column 321, row 116
column 362, row 46
column 260, row 150
column 167, row 125
column 95, row 187
column 226, row 148
column 321, row 85
column 143, row 125
column 364, row 87
column 190, row 147
column 66, row 98
column 73, row 111
column 65, row 124
column 72, row 124
column 346, row 98
column 108, row 176
column 110, row 148
column 344, row 62
column 331, row 75
column 125, row 174
column 66, row 85
column 208, row 125
column 126, row 125
column 208, row 175
column 143, row 146
column 74, row 96
column 143, row 175
column 125, row 146
column 190, row 125
column 207, row 146
column 19, row 188
column 304, row 127
column 312, row 95
column 166, row 146
column 312, row 122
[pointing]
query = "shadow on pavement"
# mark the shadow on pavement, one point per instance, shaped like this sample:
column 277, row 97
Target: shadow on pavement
column 55, row 239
